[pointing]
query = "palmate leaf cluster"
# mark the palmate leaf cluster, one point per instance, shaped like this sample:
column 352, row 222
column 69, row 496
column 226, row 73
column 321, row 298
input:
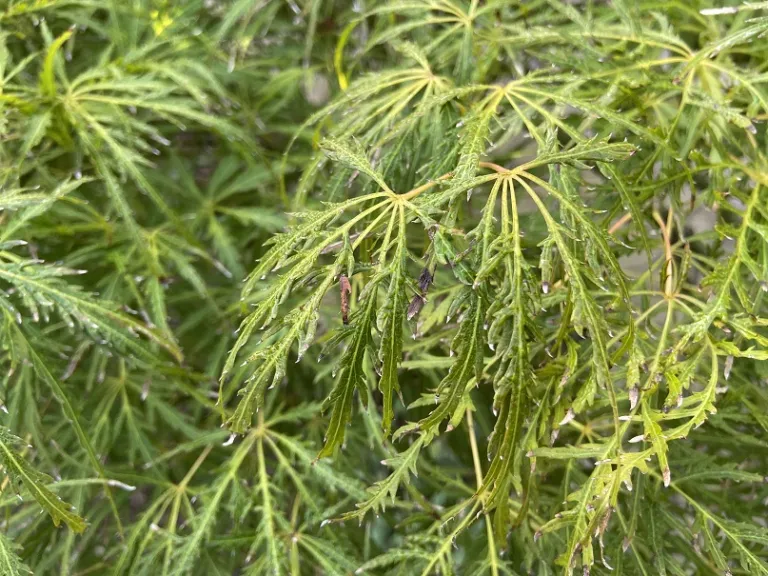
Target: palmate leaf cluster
column 410, row 287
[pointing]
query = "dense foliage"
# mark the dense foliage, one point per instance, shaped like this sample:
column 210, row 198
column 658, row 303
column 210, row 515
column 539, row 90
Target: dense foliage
column 409, row 287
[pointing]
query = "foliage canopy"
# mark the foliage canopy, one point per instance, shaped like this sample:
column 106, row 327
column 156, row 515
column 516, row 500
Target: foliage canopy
column 421, row 286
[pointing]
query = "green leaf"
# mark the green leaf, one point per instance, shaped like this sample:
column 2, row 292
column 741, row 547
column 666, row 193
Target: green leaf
column 468, row 347
column 351, row 153
column 10, row 563
column 655, row 436
column 36, row 484
column 391, row 320
column 351, row 375
column 47, row 74
column 190, row 548
column 42, row 285
column 38, row 125
column 568, row 452
column 403, row 466
column 473, row 138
